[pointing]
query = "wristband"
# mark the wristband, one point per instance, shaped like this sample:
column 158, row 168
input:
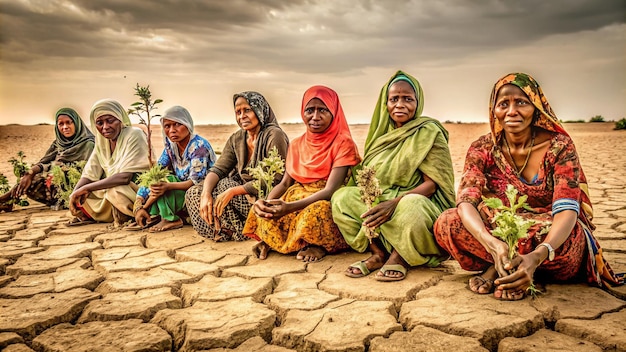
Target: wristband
column 137, row 206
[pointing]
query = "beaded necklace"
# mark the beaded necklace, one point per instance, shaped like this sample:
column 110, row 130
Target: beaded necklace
column 508, row 149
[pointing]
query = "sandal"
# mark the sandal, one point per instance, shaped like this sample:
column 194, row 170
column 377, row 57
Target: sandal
column 358, row 265
column 80, row 222
column 134, row 226
column 380, row 276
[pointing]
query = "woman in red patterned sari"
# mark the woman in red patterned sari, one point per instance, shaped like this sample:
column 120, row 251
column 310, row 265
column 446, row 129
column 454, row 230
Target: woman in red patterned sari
column 529, row 149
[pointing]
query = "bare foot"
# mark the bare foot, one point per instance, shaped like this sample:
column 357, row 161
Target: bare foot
column 507, row 295
column 261, row 250
column 165, row 225
column 311, row 254
column 483, row 283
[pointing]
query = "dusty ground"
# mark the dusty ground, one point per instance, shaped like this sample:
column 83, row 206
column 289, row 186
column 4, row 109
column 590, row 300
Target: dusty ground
column 90, row 288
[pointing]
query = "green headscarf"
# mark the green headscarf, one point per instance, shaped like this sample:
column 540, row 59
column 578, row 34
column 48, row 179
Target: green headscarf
column 67, row 150
column 420, row 144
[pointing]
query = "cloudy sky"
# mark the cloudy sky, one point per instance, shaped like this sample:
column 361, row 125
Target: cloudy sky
column 197, row 53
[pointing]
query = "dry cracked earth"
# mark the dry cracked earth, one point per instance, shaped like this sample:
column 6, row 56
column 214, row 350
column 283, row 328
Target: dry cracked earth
column 95, row 289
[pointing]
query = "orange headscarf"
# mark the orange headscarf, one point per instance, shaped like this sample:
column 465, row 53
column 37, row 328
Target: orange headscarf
column 312, row 156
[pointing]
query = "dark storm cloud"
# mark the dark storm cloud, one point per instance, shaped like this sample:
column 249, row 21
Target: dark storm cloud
column 304, row 36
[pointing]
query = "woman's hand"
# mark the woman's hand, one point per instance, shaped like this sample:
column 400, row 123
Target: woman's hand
column 274, row 208
column 379, row 214
column 222, row 200
column 158, row 189
column 142, row 217
column 206, row 207
column 78, row 197
column 21, row 188
column 522, row 269
column 500, row 253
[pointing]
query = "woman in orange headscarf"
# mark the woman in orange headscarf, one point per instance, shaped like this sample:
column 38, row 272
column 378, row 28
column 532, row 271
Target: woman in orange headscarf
column 297, row 216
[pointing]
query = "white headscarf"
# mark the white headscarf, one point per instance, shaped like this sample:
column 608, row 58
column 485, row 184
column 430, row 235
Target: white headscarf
column 131, row 148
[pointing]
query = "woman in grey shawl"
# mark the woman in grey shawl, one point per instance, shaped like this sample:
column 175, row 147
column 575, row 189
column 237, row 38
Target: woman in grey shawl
column 74, row 142
column 219, row 207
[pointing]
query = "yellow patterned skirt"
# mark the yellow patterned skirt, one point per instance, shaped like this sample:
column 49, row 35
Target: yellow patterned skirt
column 312, row 225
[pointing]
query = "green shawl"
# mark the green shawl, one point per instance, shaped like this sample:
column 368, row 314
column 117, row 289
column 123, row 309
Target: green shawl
column 401, row 155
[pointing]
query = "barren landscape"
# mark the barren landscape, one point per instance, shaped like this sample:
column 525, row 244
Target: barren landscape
column 93, row 288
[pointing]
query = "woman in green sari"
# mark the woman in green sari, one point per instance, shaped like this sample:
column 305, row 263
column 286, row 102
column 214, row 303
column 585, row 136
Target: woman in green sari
column 410, row 155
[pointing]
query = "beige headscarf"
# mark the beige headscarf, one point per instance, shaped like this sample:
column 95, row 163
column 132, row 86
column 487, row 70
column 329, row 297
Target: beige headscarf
column 131, row 150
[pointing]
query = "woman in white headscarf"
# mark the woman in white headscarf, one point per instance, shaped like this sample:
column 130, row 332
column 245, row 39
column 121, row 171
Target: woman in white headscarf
column 106, row 190
column 188, row 157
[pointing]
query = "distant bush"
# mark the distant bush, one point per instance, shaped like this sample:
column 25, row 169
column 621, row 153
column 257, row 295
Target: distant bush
column 597, row 118
column 621, row 124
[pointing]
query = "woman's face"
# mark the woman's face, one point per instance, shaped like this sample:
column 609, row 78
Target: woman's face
column 175, row 131
column 66, row 126
column 513, row 109
column 401, row 103
column 317, row 117
column 246, row 117
column 109, row 127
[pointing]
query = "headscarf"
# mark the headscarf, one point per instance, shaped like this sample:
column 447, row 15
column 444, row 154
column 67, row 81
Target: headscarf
column 421, row 143
column 181, row 115
column 312, row 156
column 267, row 120
column 81, row 133
column 544, row 118
column 131, row 150
column 75, row 148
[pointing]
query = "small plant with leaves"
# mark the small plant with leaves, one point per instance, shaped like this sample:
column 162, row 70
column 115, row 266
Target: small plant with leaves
column 369, row 188
column 154, row 175
column 20, row 168
column 511, row 227
column 265, row 172
column 64, row 178
column 4, row 184
column 143, row 109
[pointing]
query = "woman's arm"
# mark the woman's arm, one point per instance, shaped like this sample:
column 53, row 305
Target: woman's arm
column 473, row 222
column 206, row 198
column 382, row 212
column 276, row 207
column 26, row 181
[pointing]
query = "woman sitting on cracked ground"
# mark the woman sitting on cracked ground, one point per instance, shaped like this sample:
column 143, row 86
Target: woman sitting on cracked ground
column 528, row 149
column 188, row 156
column 106, row 190
column 297, row 216
column 74, row 143
column 410, row 155
column 218, row 208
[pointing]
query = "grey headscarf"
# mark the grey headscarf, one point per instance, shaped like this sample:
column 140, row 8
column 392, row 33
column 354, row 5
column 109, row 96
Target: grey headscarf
column 181, row 115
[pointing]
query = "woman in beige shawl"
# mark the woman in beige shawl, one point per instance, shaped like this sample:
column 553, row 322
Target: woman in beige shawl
column 106, row 189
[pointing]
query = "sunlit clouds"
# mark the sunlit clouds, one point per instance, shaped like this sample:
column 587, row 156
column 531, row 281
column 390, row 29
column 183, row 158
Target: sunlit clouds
column 199, row 53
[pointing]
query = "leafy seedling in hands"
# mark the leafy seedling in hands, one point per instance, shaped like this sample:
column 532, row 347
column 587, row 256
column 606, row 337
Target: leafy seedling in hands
column 511, row 227
column 265, row 172
column 153, row 176
column 369, row 188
